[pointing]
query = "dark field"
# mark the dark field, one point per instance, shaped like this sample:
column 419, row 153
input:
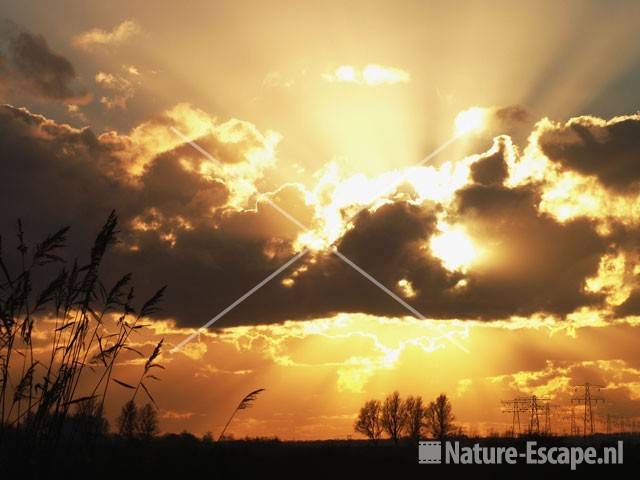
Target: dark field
column 185, row 455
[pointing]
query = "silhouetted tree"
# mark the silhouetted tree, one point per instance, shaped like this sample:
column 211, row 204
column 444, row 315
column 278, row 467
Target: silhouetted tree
column 147, row 422
column 440, row 417
column 89, row 418
column 392, row 417
column 369, row 422
column 414, row 417
column 128, row 419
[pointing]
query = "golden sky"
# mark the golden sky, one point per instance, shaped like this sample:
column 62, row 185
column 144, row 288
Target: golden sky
column 517, row 243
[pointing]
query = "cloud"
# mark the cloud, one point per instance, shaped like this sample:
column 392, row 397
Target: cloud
column 371, row 75
column 631, row 305
column 492, row 169
column 173, row 201
column 561, row 381
column 533, row 264
column 608, row 150
column 97, row 37
column 29, row 66
column 171, row 415
column 120, row 88
column 198, row 224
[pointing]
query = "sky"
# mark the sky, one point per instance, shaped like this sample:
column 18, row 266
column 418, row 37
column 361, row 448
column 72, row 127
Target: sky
column 231, row 137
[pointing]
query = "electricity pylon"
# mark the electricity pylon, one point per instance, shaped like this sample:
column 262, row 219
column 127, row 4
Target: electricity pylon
column 532, row 405
column 547, row 417
column 574, row 426
column 571, row 416
column 514, row 407
column 588, row 400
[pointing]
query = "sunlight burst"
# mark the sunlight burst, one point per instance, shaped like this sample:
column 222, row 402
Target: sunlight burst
column 454, row 247
column 470, row 120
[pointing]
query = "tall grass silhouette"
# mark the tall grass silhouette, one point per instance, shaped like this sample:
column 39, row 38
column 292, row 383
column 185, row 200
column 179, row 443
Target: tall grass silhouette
column 69, row 308
column 246, row 402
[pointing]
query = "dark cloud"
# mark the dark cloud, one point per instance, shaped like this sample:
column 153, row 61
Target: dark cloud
column 491, row 169
column 56, row 175
column 175, row 191
column 631, row 306
column 533, row 262
column 28, row 65
column 176, row 229
column 387, row 244
column 51, row 173
column 513, row 115
column 610, row 151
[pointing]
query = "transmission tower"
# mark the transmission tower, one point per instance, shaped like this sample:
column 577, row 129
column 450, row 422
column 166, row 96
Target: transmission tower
column 547, row 417
column 571, row 416
column 532, row 405
column 588, row 400
column 514, row 407
column 574, row 426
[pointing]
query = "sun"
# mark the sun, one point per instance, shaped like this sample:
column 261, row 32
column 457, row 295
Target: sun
column 471, row 120
column 454, row 248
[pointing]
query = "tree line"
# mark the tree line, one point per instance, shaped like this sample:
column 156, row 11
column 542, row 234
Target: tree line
column 134, row 421
column 409, row 417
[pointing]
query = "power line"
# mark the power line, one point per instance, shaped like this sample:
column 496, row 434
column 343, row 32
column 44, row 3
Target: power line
column 588, row 400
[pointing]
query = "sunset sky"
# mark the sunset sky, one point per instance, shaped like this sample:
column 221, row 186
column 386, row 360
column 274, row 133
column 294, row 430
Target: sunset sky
column 517, row 243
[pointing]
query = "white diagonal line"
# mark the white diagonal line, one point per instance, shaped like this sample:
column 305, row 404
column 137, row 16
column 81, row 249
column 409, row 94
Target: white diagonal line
column 372, row 279
column 388, row 190
column 398, row 299
column 239, row 300
column 305, row 251
column 438, row 150
column 193, row 144
column 285, row 213
column 263, row 197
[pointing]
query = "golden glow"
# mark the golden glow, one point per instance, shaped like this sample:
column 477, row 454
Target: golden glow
column 336, row 198
column 242, row 155
column 362, row 345
column 471, row 120
column 406, row 287
column 351, row 103
column 613, row 279
column 454, row 248
column 439, row 184
column 567, row 195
